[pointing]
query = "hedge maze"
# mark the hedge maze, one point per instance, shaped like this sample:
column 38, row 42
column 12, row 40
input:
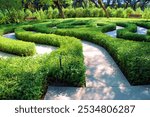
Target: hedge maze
column 26, row 77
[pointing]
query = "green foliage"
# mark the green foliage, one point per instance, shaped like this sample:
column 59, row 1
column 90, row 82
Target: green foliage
column 128, row 11
column 119, row 12
column 28, row 13
column 72, row 70
column 128, row 54
column 55, row 13
column 22, row 78
column 146, row 14
column 17, row 47
column 128, row 33
column 108, row 28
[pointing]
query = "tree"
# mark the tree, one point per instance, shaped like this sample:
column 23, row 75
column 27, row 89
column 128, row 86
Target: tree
column 96, row 2
column 10, row 4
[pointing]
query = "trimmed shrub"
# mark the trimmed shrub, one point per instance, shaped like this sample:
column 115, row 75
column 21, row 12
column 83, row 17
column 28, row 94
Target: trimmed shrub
column 148, row 32
column 23, row 78
column 127, row 33
column 128, row 54
column 17, row 47
column 71, row 69
column 107, row 28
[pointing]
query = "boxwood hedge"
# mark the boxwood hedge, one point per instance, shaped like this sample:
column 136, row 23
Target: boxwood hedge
column 128, row 33
column 17, row 47
column 66, row 64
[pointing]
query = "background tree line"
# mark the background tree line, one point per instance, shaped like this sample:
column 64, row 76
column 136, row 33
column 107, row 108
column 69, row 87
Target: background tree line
column 18, row 10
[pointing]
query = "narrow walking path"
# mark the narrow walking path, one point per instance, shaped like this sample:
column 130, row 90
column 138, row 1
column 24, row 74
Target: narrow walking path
column 114, row 32
column 140, row 30
column 104, row 80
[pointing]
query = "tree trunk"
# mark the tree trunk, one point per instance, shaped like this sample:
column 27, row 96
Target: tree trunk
column 60, row 9
column 103, row 7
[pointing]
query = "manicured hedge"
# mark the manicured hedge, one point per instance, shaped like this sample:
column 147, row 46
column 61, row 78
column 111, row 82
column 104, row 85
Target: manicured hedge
column 148, row 32
column 127, row 33
column 128, row 54
column 128, row 26
column 145, row 25
column 23, row 78
column 17, row 47
column 107, row 28
column 72, row 70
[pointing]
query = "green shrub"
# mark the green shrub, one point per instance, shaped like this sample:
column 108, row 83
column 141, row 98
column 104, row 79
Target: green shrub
column 72, row 70
column 79, row 12
column 107, row 28
column 101, row 13
column 128, row 54
column 128, row 32
column 119, row 12
column 50, row 13
column 28, row 13
column 22, row 78
column 128, row 11
column 146, row 14
column 95, row 12
column 109, row 10
column 139, row 11
column 17, row 47
column 55, row 13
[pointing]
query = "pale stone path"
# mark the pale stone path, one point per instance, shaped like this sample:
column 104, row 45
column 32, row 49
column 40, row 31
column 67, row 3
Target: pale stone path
column 140, row 30
column 40, row 48
column 104, row 80
column 114, row 32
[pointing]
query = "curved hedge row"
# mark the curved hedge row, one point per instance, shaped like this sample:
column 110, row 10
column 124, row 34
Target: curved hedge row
column 70, row 69
column 107, row 28
column 132, row 57
column 128, row 33
column 17, row 47
column 145, row 25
